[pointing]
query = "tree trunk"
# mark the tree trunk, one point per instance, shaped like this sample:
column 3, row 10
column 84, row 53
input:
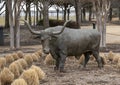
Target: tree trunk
column 68, row 11
column 102, row 7
column 104, row 31
column 34, row 16
column 45, row 14
column 110, row 15
column 6, row 16
column 26, row 12
column 37, row 18
column 78, row 12
column 90, row 13
column 17, row 26
column 100, row 27
column 9, row 5
column 30, row 22
column 84, row 14
column 40, row 15
column 81, row 15
column 65, row 13
column 119, row 13
column 57, row 13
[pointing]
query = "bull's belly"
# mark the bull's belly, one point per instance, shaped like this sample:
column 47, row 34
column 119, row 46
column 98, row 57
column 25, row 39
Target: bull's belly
column 76, row 52
column 77, row 49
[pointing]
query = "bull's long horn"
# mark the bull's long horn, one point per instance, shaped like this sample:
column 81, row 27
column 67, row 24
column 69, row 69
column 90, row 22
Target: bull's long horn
column 57, row 33
column 30, row 28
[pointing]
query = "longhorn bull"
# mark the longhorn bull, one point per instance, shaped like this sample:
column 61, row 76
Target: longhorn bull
column 61, row 42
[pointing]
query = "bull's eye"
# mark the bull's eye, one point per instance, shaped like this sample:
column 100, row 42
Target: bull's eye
column 50, row 38
column 42, row 40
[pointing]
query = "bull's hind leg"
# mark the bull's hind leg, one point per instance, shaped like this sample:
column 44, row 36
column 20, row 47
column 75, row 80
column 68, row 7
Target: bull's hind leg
column 87, row 57
column 98, row 59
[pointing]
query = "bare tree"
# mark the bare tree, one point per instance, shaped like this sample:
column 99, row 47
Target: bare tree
column 36, row 3
column 17, row 24
column 45, row 13
column 14, row 31
column 6, row 15
column 102, row 9
column 9, row 6
column 78, row 12
column 57, row 10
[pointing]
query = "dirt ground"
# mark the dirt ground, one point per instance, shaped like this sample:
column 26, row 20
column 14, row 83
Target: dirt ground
column 91, row 75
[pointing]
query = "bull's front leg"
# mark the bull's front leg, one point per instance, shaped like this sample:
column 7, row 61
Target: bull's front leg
column 57, row 64
column 62, row 61
column 56, row 57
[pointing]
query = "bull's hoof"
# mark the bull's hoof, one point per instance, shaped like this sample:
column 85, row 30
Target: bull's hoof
column 62, row 70
column 100, row 66
column 56, row 68
column 77, row 57
column 82, row 67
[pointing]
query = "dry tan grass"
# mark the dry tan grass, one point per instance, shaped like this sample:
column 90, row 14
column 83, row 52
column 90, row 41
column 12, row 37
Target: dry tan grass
column 14, row 69
column 30, row 76
column 34, row 57
column 9, row 58
column 116, row 58
column 110, row 56
column 28, row 59
column 39, row 52
column 2, row 63
column 49, row 60
column 118, row 63
column 23, row 63
column 6, row 76
column 15, row 56
column 104, row 60
column 19, row 81
column 19, row 66
column 81, row 60
column 41, row 74
column 20, row 54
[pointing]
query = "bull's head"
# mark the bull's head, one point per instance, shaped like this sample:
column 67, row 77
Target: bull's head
column 46, row 35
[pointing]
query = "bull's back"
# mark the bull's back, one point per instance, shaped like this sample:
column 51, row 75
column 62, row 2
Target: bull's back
column 78, row 41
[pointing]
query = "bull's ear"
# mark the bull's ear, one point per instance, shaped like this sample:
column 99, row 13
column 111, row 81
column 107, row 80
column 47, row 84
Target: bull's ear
column 53, row 37
column 37, row 37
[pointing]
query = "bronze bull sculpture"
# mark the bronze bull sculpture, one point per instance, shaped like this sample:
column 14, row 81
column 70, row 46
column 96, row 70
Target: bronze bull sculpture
column 61, row 42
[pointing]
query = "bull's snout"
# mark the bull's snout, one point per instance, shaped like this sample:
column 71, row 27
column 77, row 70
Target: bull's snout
column 46, row 51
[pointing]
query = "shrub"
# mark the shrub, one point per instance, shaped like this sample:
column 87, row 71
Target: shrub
column 53, row 22
column 2, row 63
column 14, row 69
column 23, row 63
column 6, row 76
column 9, row 58
column 39, row 72
column 30, row 76
column 19, row 81
column 28, row 59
